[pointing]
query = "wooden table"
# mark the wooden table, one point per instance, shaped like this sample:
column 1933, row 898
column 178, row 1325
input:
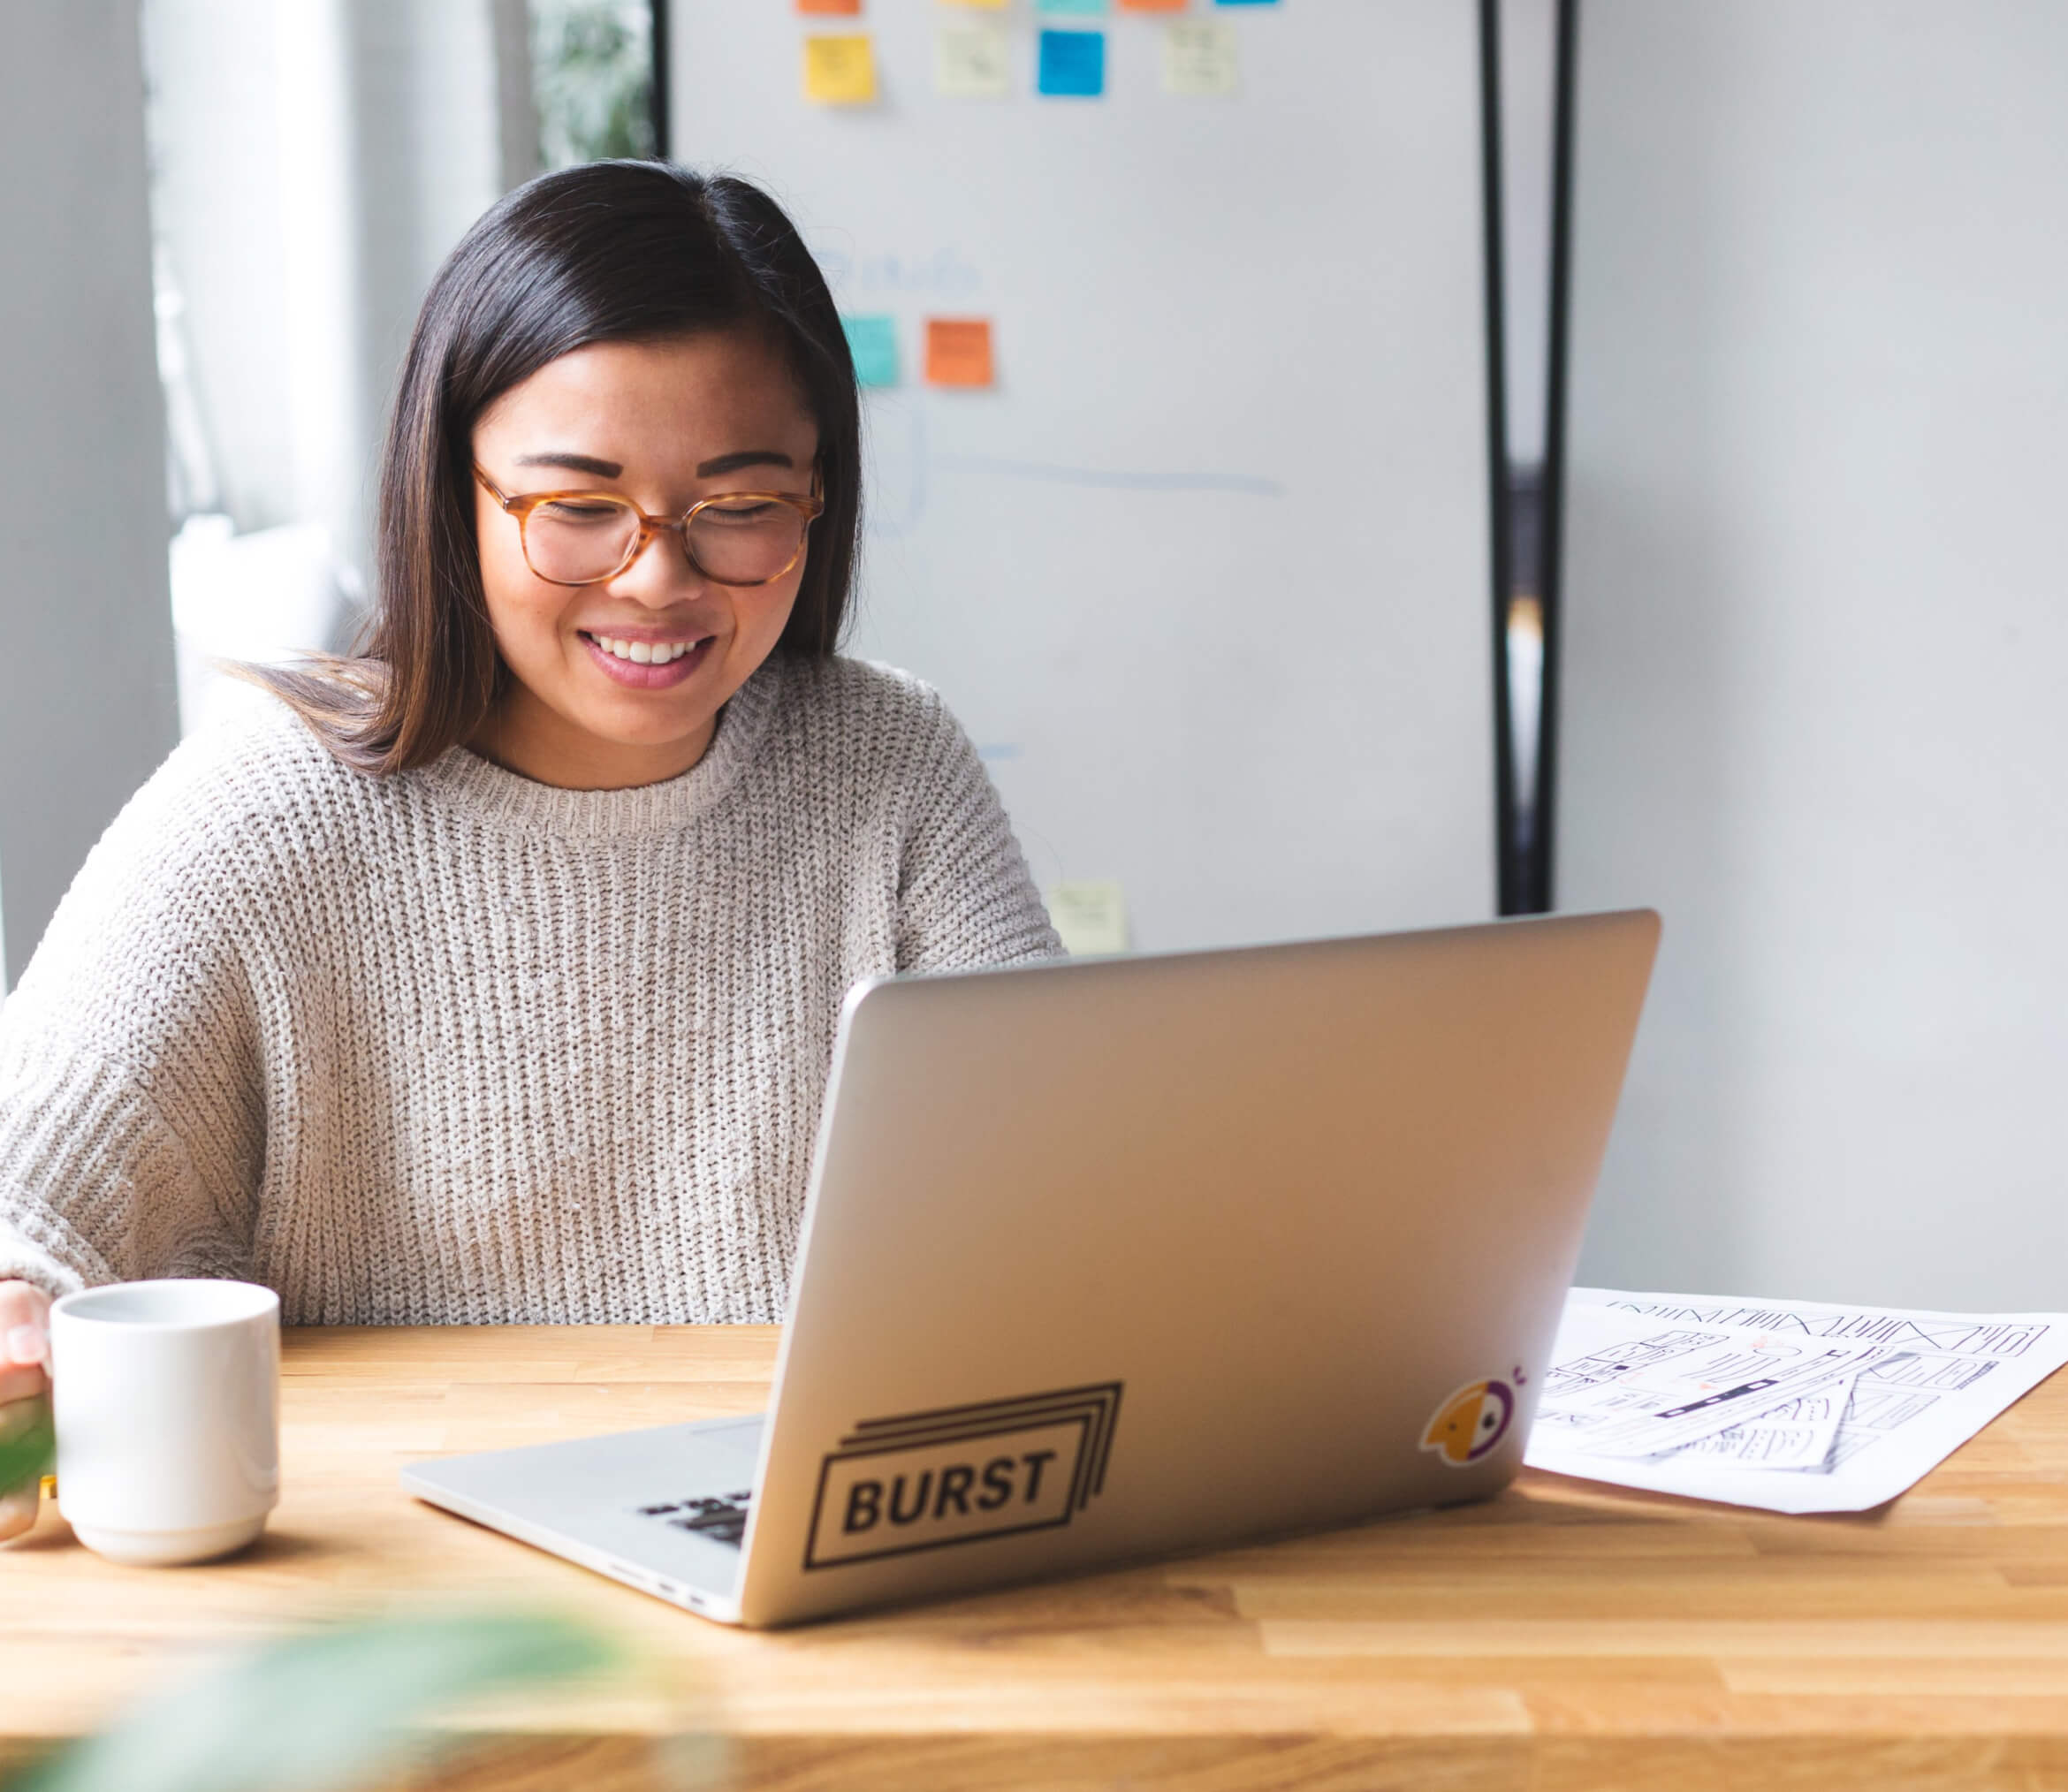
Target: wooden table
column 1564, row 1635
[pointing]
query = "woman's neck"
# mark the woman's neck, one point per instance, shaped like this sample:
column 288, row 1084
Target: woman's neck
column 523, row 735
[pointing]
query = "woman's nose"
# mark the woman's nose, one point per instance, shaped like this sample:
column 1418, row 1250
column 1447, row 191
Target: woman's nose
column 663, row 574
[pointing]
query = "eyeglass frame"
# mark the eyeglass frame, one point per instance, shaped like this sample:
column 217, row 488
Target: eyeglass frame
column 812, row 507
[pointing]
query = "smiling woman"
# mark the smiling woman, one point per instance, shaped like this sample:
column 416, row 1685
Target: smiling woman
column 625, row 630
column 616, row 321
column 491, row 975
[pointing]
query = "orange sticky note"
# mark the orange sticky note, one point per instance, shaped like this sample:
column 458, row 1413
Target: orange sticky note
column 840, row 70
column 1152, row 5
column 846, row 7
column 958, row 352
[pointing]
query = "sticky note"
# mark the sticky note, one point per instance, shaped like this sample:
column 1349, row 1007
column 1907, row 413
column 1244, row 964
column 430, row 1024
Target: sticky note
column 873, row 342
column 1073, row 64
column 1153, row 5
column 1091, row 918
column 972, row 62
column 1079, row 7
column 989, row 5
column 958, row 352
column 848, row 7
column 840, row 70
column 1199, row 57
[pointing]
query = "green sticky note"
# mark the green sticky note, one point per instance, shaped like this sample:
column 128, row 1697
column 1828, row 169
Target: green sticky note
column 1078, row 7
column 972, row 62
column 873, row 342
column 1199, row 57
column 1090, row 917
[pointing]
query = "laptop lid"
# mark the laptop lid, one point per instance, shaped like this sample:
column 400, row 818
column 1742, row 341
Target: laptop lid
column 1110, row 1259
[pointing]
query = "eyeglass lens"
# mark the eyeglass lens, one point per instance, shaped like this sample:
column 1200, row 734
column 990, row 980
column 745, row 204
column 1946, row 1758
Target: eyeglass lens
column 745, row 543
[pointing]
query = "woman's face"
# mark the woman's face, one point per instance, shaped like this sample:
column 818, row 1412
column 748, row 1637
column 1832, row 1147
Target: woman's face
column 664, row 424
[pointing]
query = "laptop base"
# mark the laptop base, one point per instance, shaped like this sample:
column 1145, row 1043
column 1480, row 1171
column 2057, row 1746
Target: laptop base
column 662, row 1509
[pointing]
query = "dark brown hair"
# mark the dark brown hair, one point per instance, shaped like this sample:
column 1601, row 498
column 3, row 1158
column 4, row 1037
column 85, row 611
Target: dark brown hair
column 608, row 251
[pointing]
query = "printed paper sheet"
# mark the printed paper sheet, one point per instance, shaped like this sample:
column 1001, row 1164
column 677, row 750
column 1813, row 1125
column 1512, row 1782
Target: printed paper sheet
column 1824, row 1406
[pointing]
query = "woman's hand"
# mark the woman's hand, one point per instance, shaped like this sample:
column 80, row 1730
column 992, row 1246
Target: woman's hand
column 25, row 1383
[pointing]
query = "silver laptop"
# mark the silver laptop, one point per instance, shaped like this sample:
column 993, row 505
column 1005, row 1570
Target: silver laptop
column 1118, row 1259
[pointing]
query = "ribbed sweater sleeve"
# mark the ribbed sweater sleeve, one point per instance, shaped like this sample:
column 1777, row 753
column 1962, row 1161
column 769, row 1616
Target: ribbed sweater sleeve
column 130, row 1114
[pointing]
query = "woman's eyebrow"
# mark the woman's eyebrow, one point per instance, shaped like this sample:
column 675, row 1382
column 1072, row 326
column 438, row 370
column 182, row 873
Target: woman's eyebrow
column 611, row 469
column 748, row 457
column 574, row 463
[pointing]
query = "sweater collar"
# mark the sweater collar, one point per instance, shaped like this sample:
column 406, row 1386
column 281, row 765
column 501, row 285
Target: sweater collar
column 461, row 780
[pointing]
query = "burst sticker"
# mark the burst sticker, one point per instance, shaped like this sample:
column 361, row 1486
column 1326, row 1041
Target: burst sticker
column 1469, row 1424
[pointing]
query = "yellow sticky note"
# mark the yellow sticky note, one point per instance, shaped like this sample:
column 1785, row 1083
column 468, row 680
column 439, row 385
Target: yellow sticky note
column 1199, row 57
column 1090, row 917
column 987, row 5
column 840, row 70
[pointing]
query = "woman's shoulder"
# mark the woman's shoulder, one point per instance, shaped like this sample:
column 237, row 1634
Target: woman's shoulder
column 256, row 769
column 218, row 829
column 862, row 739
column 876, row 710
column 187, row 869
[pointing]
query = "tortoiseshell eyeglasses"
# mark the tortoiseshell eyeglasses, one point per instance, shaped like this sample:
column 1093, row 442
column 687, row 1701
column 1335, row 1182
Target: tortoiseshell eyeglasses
column 585, row 537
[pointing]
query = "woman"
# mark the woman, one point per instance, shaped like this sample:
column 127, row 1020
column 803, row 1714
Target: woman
column 491, row 977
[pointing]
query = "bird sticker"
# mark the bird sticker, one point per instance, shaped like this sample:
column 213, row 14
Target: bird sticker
column 1469, row 1424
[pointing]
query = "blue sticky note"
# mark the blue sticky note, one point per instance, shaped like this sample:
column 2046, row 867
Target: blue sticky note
column 873, row 342
column 1078, row 6
column 1073, row 64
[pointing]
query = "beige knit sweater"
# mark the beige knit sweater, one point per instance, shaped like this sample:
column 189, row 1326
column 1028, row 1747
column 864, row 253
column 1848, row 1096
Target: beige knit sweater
column 455, row 1047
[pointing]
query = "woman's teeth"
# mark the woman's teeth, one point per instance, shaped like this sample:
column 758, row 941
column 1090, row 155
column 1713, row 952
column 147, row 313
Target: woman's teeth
column 644, row 652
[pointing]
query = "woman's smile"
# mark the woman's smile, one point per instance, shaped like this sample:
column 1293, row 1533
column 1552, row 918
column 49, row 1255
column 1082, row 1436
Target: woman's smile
column 646, row 660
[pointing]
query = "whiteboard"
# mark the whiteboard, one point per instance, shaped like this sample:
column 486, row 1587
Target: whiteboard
column 1815, row 635
column 1206, row 574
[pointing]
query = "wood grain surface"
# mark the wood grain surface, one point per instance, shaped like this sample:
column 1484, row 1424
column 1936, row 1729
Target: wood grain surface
column 1564, row 1635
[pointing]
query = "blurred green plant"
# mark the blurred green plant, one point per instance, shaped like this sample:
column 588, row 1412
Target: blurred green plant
column 28, row 1443
column 592, row 80
column 319, row 1712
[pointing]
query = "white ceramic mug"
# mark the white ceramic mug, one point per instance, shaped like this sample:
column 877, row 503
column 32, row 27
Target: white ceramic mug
column 167, row 1399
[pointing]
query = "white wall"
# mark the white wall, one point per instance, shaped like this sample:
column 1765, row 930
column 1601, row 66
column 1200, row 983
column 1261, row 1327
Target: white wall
column 1816, row 637
column 86, row 678
column 216, row 203
column 313, row 162
column 316, row 159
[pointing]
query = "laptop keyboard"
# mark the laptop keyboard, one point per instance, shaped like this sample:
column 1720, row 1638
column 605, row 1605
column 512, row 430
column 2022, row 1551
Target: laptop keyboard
column 721, row 1517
